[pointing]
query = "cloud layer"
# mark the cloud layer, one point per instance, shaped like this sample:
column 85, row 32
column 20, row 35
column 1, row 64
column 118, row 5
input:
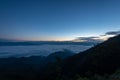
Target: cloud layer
column 112, row 33
column 88, row 39
column 97, row 39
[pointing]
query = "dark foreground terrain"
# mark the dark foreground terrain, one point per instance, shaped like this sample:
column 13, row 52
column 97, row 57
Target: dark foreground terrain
column 101, row 62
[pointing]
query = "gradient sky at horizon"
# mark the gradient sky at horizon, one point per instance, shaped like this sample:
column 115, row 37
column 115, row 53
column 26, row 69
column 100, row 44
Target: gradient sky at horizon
column 57, row 19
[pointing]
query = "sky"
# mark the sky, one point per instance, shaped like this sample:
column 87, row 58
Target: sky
column 57, row 19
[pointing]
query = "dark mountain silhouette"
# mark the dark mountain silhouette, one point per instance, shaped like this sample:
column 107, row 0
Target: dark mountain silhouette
column 28, row 67
column 102, row 59
column 36, row 60
column 5, row 40
column 60, row 54
column 28, row 43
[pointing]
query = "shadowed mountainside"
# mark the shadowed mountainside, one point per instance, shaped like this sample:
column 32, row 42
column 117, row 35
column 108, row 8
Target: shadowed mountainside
column 28, row 67
column 102, row 59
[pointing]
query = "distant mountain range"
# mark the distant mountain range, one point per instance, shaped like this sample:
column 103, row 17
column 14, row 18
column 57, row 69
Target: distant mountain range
column 5, row 42
column 102, row 59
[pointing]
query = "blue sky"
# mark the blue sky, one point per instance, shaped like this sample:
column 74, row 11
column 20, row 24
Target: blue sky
column 57, row 19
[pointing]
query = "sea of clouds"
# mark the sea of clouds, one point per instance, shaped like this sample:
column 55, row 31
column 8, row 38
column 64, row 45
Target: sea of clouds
column 44, row 50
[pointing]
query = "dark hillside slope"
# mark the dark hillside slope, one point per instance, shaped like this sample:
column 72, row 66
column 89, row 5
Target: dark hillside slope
column 28, row 68
column 101, row 59
column 61, row 54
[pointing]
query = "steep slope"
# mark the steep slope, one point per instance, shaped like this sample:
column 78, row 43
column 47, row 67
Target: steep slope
column 101, row 59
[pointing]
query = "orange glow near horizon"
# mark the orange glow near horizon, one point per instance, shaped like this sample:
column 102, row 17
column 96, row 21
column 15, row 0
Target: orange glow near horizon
column 48, row 39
